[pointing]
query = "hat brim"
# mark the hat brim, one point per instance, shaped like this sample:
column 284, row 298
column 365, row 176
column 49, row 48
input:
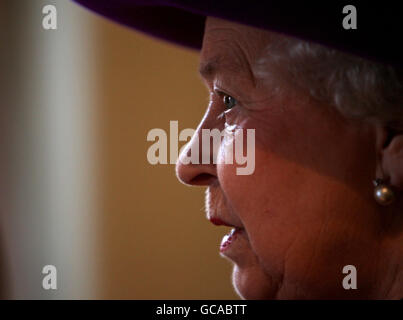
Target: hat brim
column 182, row 22
column 172, row 24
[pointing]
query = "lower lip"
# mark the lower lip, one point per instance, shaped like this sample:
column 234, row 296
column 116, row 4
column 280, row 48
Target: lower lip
column 228, row 240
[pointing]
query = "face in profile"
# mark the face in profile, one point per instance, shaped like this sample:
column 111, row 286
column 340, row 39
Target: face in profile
column 306, row 211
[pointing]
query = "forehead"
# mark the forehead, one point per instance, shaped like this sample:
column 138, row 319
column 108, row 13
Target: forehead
column 231, row 44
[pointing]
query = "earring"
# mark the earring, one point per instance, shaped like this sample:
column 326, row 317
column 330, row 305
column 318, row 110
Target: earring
column 383, row 193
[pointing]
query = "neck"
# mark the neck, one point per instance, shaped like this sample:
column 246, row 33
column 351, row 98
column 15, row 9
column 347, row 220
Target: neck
column 396, row 291
column 390, row 271
column 390, row 262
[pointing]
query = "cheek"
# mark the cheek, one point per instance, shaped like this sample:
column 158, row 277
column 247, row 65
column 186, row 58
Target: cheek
column 301, row 199
column 285, row 209
column 282, row 201
column 262, row 202
column 262, row 199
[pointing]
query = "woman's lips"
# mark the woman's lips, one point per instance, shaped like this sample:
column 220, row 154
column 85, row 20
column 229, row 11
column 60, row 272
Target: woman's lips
column 228, row 239
column 218, row 222
column 233, row 241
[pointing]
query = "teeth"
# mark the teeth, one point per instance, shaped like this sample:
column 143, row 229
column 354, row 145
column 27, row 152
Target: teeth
column 229, row 235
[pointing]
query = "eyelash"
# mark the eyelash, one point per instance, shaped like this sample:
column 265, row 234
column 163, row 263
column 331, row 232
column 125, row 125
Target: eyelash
column 223, row 96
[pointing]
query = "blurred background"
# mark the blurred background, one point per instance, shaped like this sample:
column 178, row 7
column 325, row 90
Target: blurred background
column 77, row 191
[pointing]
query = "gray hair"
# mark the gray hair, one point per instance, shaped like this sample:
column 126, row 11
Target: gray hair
column 357, row 87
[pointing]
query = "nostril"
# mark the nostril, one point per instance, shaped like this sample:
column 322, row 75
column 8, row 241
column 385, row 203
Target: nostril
column 202, row 179
column 195, row 174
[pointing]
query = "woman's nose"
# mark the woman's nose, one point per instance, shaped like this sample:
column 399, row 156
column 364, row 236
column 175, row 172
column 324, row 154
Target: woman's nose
column 193, row 167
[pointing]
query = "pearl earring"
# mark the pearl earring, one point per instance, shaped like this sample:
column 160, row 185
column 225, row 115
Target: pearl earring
column 383, row 193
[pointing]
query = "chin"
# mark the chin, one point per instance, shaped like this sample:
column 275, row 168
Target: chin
column 251, row 283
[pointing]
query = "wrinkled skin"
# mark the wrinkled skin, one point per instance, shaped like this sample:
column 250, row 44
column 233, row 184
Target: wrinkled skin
column 308, row 209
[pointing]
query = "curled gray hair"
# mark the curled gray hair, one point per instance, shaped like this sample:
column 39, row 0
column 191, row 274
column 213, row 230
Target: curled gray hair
column 357, row 87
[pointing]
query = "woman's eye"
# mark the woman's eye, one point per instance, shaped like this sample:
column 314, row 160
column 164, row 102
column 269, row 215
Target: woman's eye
column 229, row 102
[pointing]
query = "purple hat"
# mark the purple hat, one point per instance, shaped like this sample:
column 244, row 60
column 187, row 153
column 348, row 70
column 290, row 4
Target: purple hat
column 378, row 35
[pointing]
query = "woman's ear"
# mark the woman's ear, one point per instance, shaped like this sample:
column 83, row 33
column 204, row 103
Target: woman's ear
column 390, row 145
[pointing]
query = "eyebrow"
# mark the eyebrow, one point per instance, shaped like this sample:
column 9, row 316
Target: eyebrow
column 211, row 67
column 208, row 69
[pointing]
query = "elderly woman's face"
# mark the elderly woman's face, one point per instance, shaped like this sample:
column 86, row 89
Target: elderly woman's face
column 300, row 215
